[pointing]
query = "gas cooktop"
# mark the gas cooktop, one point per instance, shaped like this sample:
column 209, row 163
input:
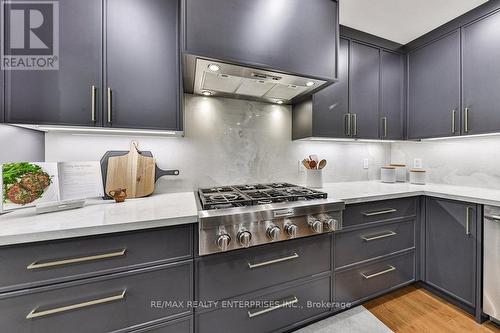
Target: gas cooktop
column 255, row 194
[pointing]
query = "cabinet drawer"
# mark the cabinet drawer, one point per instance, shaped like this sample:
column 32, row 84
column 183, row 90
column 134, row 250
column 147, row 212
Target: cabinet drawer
column 183, row 325
column 370, row 212
column 367, row 243
column 100, row 304
column 228, row 275
column 366, row 280
column 30, row 265
column 283, row 308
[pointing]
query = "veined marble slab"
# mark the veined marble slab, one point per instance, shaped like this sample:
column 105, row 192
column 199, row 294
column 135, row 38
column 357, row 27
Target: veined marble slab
column 99, row 217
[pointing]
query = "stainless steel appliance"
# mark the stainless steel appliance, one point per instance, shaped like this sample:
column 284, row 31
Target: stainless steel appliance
column 491, row 264
column 235, row 217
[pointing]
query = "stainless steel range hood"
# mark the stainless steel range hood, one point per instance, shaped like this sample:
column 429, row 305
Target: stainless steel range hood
column 216, row 78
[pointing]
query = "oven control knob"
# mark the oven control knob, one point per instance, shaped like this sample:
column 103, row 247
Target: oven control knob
column 223, row 241
column 316, row 226
column 244, row 237
column 273, row 232
column 330, row 224
column 291, row 230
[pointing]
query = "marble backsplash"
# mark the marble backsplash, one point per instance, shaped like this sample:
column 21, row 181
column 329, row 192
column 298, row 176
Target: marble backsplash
column 473, row 161
column 231, row 141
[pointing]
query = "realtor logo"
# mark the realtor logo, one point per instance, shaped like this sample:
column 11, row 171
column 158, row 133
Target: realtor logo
column 30, row 35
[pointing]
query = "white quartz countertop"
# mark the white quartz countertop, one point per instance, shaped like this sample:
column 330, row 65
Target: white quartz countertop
column 99, row 217
column 364, row 191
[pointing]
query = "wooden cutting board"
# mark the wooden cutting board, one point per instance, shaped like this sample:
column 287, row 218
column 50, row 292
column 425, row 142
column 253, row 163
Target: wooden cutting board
column 133, row 172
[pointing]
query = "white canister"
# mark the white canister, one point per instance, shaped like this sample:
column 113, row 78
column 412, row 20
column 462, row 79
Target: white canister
column 388, row 174
column 400, row 172
column 314, row 178
column 418, row 176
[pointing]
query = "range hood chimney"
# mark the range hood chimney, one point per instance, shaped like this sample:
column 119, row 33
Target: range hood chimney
column 210, row 77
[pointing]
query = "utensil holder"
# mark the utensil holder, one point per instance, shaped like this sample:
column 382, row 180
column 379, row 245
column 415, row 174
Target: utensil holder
column 314, row 178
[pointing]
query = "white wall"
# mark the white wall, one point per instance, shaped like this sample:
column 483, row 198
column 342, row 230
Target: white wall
column 461, row 161
column 19, row 144
column 230, row 141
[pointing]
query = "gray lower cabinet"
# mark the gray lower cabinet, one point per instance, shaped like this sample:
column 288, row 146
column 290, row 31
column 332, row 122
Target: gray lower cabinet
column 228, row 275
column 273, row 34
column 450, row 248
column 37, row 264
column 277, row 311
column 182, row 325
column 63, row 96
column 392, row 95
column 143, row 64
column 103, row 304
column 364, row 74
column 481, row 75
column 434, row 88
column 368, row 280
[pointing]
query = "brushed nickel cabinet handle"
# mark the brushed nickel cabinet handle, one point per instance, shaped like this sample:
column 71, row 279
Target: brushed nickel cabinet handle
column 110, row 105
column 467, row 221
column 466, row 120
column 284, row 303
column 493, row 217
column 354, row 124
column 389, row 233
column 453, row 121
column 93, row 98
column 38, row 265
column 385, row 271
column 347, row 124
column 384, row 124
column 380, row 212
column 274, row 261
column 37, row 314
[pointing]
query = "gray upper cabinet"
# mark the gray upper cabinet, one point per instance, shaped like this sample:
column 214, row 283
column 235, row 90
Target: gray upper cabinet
column 391, row 95
column 481, row 75
column 450, row 248
column 434, row 89
column 143, row 64
column 64, row 96
column 331, row 105
column 282, row 35
column 364, row 90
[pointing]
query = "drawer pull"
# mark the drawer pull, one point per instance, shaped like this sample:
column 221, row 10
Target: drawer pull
column 37, row 265
column 371, row 238
column 35, row 314
column 385, row 271
column 274, row 261
column 493, row 217
column 283, row 304
column 380, row 212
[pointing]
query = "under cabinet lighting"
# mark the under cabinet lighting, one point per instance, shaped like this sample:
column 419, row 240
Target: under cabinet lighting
column 279, row 101
column 461, row 137
column 310, row 84
column 214, row 67
column 206, row 93
column 101, row 130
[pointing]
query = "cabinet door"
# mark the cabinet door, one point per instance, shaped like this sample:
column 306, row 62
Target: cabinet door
column 364, row 74
column 283, row 35
column 450, row 243
column 331, row 105
column 481, row 75
column 434, row 89
column 142, row 64
column 391, row 95
column 64, row 96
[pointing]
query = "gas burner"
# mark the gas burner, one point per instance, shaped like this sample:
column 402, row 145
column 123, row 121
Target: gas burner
column 280, row 185
column 268, row 196
column 216, row 190
column 250, row 187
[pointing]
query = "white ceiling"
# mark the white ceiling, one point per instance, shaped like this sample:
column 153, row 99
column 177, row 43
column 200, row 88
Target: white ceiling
column 401, row 20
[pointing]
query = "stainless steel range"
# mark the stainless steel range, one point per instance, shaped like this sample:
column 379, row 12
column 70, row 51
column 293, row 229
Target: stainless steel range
column 235, row 217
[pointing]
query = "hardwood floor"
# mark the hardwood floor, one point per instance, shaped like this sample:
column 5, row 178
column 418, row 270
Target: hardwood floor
column 416, row 310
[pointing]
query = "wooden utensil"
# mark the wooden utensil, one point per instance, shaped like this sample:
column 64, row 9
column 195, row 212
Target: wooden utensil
column 314, row 158
column 133, row 172
column 321, row 164
column 306, row 164
column 312, row 164
column 116, row 153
